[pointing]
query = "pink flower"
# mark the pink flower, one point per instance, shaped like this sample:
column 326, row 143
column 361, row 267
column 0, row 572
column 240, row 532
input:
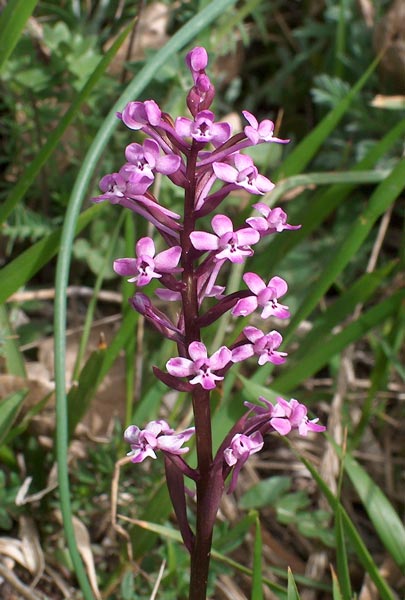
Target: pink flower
column 138, row 114
column 242, row 446
column 231, row 245
column 148, row 266
column 197, row 59
column 262, row 132
column 262, row 345
column 145, row 159
column 203, row 128
column 285, row 416
column 157, row 435
column 265, row 296
column 116, row 186
column 200, row 365
column 274, row 220
column 243, row 174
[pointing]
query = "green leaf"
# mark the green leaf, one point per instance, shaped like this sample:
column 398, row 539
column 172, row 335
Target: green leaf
column 9, row 346
column 337, row 595
column 257, row 577
column 265, row 493
column 12, row 22
column 292, row 591
column 382, row 514
column 351, row 532
column 341, row 556
column 9, row 408
column 82, row 393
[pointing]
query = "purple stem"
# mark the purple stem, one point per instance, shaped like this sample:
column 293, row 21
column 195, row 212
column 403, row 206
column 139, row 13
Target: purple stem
column 207, row 505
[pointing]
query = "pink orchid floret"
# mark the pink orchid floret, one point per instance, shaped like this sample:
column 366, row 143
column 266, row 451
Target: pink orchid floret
column 260, row 132
column 242, row 446
column 203, row 128
column 243, row 174
column 262, row 345
column 274, row 220
column 145, row 159
column 116, row 187
column 147, row 266
column 200, row 365
column 265, row 297
column 285, row 416
column 157, row 435
column 138, row 114
column 230, row 244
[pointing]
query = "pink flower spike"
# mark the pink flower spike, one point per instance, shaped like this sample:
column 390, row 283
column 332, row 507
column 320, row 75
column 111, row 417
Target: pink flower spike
column 264, row 296
column 243, row 174
column 200, row 365
column 265, row 346
column 147, row 266
column 157, row 435
column 231, row 245
column 262, row 132
column 274, row 220
column 242, row 446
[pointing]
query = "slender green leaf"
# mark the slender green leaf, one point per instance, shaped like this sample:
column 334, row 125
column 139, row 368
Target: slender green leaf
column 12, row 22
column 292, row 591
column 257, row 576
column 9, row 409
column 341, row 556
column 82, row 393
column 352, row 534
column 337, row 595
column 9, row 342
column 382, row 514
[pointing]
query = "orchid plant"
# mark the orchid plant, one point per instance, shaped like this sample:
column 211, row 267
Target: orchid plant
column 204, row 158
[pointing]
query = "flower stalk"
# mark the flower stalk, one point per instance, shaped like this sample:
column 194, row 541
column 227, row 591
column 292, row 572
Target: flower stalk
column 195, row 153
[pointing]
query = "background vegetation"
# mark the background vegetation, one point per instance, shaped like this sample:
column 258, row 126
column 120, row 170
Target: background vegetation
column 75, row 518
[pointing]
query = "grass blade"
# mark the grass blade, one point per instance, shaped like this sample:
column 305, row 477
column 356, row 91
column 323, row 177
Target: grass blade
column 353, row 535
column 292, row 591
column 257, row 585
column 12, row 22
column 9, row 409
column 382, row 514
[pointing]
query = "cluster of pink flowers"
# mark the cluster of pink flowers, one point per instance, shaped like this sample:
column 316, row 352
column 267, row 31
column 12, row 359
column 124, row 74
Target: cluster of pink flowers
column 195, row 154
